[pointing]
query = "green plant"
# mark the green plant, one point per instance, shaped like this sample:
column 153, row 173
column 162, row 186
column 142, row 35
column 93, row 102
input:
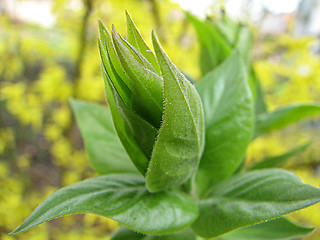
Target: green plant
column 186, row 143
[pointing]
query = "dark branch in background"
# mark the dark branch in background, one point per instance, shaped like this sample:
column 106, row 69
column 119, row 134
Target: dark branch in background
column 71, row 131
column 315, row 165
column 82, row 45
column 157, row 19
column 183, row 31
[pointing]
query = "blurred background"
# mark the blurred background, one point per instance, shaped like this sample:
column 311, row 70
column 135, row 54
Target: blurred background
column 48, row 54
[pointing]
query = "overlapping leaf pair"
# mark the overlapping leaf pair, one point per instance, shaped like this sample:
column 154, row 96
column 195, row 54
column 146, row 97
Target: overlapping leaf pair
column 156, row 111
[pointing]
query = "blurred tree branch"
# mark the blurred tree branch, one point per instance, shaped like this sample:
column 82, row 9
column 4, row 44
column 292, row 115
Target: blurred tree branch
column 88, row 5
column 157, row 19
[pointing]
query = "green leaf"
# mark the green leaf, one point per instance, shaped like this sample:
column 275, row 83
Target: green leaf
column 136, row 154
column 283, row 117
column 214, row 49
column 101, row 141
column 136, row 40
column 227, row 28
column 179, row 145
column 142, row 131
column 188, row 77
column 260, row 104
column 277, row 229
column 108, row 46
column 250, row 198
column 136, row 134
column 135, row 53
column 121, row 84
column 236, row 35
column 277, row 161
column 122, row 197
column 244, row 43
column 147, row 87
column 126, row 234
column 228, row 111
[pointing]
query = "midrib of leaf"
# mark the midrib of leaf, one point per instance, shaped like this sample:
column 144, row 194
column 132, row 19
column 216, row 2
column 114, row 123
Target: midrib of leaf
column 218, row 101
column 232, row 199
column 213, row 112
column 260, row 182
column 236, row 192
column 86, row 195
column 244, row 183
column 158, row 104
column 244, row 226
column 135, row 39
column 141, row 44
column 143, row 59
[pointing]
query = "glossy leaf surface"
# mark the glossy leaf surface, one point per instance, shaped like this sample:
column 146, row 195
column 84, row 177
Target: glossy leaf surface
column 101, row 140
column 126, row 234
column 179, row 145
column 283, row 117
column 277, row 229
column 250, row 198
column 122, row 197
column 228, row 111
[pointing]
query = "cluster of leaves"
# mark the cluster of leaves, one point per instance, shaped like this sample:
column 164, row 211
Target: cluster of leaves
column 220, row 198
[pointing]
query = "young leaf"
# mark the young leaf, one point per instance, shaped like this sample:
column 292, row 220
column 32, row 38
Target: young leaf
column 179, row 145
column 250, row 198
column 108, row 46
column 123, row 90
column 127, row 234
column 283, row 117
column 228, row 111
column 277, row 161
column 101, row 140
column 214, row 49
column 276, row 229
column 135, row 53
column 227, row 28
column 130, row 145
column 260, row 104
column 147, row 87
column 141, row 130
column 122, row 197
column 136, row 40
column 244, row 43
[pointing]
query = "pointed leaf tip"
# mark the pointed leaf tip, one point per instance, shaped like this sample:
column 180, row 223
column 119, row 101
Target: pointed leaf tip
column 154, row 38
column 128, row 15
column 101, row 26
column 122, row 197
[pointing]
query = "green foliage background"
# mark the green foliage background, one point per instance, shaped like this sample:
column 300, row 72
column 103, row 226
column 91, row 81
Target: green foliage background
column 40, row 146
